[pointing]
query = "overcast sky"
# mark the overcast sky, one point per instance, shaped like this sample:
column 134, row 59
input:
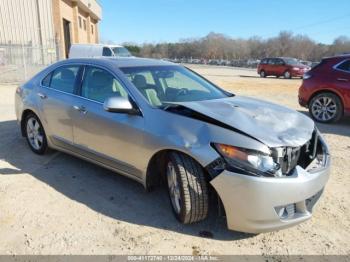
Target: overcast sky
column 153, row 21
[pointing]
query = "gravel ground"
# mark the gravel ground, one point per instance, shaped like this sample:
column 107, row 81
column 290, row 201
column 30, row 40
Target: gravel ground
column 59, row 204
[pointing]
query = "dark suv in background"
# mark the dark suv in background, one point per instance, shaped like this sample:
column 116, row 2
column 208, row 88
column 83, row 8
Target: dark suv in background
column 326, row 89
column 281, row 66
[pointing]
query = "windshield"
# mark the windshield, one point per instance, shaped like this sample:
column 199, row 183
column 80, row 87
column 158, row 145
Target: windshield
column 291, row 61
column 121, row 52
column 162, row 84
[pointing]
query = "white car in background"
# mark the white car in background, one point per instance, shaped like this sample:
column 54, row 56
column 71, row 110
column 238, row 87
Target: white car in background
column 97, row 50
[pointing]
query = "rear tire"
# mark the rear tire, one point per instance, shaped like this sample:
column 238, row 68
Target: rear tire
column 187, row 187
column 262, row 74
column 326, row 108
column 35, row 134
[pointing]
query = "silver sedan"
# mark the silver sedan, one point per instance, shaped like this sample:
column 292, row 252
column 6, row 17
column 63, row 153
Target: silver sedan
column 156, row 121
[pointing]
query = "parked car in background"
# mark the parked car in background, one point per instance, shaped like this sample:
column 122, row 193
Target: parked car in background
column 281, row 66
column 196, row 61
column 213, row 62
column 97, row 50
column 306, row 63
column 326, row 89
column 154, row 121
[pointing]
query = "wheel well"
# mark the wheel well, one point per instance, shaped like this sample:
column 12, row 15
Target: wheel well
column 23, row 118
column 329, row 92
column 155, row 177
column 156, row 166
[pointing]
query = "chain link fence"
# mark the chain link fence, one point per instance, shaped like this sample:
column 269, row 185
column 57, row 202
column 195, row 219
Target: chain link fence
column 20, row 62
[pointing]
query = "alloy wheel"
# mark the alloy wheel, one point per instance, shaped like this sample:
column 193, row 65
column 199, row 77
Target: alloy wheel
column 324, row 108
column 34, row 133
column 287, row 74
column 174, row 188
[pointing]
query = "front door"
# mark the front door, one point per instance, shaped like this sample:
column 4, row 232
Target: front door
column 280, row 67
column 114, row 139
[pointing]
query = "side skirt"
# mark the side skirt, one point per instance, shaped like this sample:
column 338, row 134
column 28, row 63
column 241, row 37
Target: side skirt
column 98, row 159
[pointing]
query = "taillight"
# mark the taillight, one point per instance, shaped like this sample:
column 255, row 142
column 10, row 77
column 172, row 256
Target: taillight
column 307, row 76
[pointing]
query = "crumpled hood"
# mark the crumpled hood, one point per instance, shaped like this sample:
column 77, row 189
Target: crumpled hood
column 271, row 124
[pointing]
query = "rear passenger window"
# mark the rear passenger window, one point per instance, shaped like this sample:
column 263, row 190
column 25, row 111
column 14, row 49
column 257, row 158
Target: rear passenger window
column 264, row 62
column 106, row 51
column 345, row 66
column 63, row 78
column 279, row 62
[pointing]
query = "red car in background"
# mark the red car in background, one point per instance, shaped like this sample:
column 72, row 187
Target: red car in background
column 281, row 66
column 326, row 89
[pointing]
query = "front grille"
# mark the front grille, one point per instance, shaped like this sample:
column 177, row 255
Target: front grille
column 289, row 157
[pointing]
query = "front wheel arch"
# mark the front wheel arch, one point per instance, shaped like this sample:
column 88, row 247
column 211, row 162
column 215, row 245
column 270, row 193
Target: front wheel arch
column 157, row 164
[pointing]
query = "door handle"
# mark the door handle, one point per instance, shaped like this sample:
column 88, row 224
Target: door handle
column 343, row 79
column 81, row 109
column 42, row 96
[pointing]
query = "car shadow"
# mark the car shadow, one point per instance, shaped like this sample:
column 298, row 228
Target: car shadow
column 102, row 190
column 341, row 128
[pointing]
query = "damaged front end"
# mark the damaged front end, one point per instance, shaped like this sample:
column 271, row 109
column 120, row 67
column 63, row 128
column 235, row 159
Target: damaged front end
column 312, row 155
column 280, row 163
column 280, row 194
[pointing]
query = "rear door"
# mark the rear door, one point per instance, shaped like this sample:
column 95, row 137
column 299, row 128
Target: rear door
column 57, row 97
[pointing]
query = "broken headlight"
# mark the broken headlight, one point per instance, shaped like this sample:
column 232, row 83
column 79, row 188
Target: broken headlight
column 247, row 161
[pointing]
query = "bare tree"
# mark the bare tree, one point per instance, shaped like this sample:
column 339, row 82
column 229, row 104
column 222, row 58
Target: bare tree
column 219, row 46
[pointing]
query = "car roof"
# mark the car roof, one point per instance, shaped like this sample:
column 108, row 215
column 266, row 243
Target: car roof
column 102, row 45
column 120, row 61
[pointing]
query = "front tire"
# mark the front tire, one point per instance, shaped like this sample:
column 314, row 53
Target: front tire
column 287, row 75
column 187, row 187
column 35, row 134
column 262, row 74
column 326, row 108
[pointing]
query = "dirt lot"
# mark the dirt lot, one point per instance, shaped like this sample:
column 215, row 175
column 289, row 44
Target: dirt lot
column 58, row 204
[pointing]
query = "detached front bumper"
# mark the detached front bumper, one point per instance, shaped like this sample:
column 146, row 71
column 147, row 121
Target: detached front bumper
column 261, row 204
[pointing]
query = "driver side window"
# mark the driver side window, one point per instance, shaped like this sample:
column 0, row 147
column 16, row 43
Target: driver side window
column 98, row 85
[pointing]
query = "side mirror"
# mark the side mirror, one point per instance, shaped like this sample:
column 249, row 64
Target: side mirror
column 120, row 105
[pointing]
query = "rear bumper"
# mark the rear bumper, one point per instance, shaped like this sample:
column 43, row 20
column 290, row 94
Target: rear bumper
column 298, row 73
column 304, row 93
column 302, row 101
column 262, row 204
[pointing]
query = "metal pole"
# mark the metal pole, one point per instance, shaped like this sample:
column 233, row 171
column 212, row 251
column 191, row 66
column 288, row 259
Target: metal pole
column 40, row 31
column 24, row 63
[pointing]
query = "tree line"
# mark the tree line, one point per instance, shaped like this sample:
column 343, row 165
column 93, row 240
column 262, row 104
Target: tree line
column 220, row 46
